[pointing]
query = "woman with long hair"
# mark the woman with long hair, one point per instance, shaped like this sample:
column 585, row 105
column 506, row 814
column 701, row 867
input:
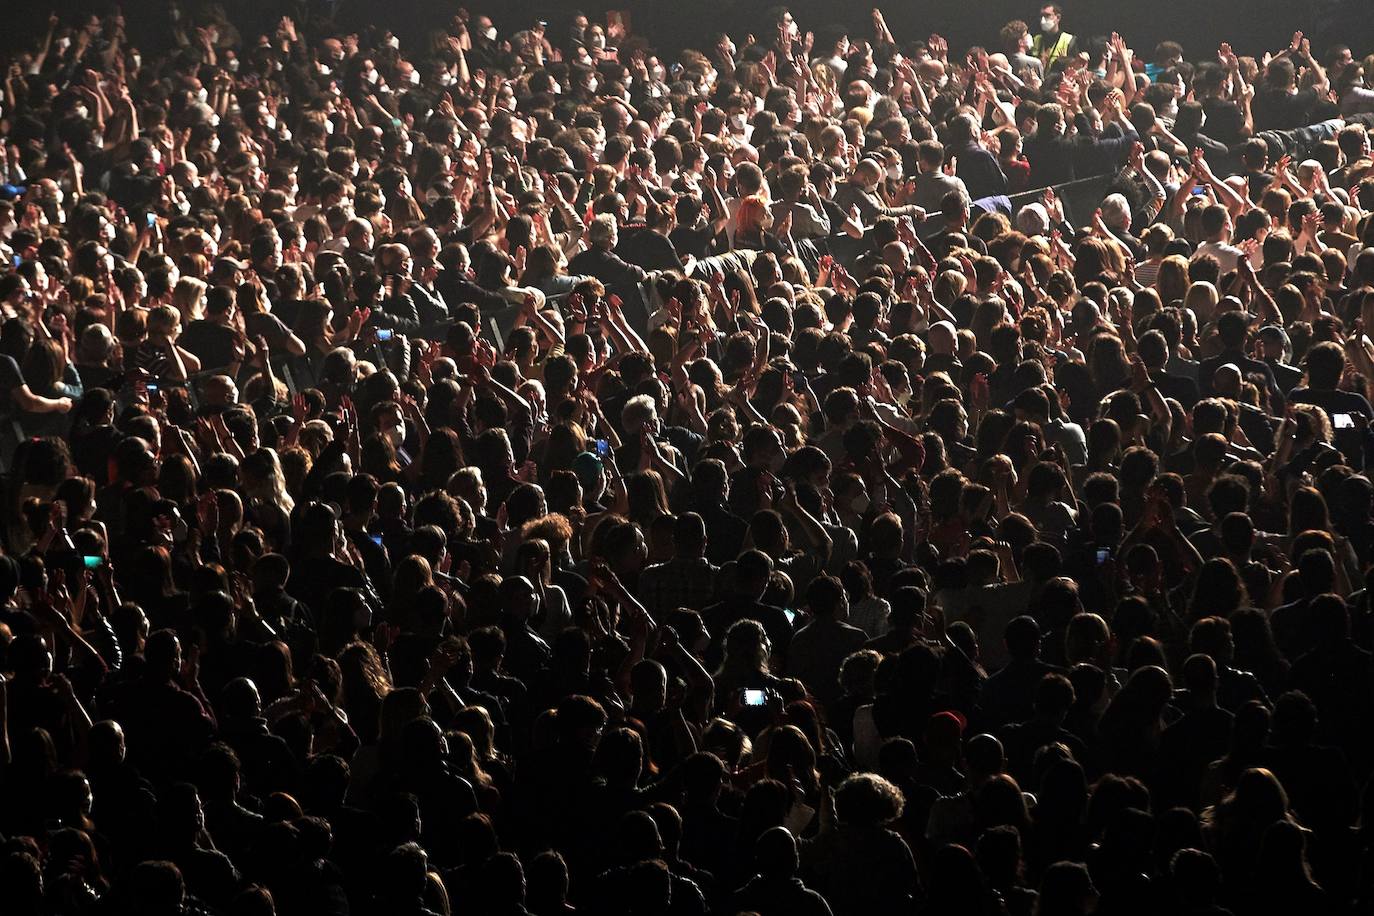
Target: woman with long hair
column 1131, row 727
column 51, row 377
column 1235, row 827
column 267, row 504
column 754, row 227
column 648, row 498
column 365, row 686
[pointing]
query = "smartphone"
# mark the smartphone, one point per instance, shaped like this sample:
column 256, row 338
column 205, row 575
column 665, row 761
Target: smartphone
column 152, row 387
column 151, row 218
column 753, row 697
column 376, row 539
column 1103, row 555
column 1342, row 421
column 1200, row 189
column 18, row 259
column 93, row 562
column 384, row 334
column 791, row 614
column 603, row 447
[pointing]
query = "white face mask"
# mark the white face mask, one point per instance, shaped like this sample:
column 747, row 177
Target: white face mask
column 894, row 173
column 269, row 122
column 233, row 65
column 81, row 112
column 489, row 33
column 1047, row 24
column 136, row 60
column 393, row 42
column 370, row 76
column 414, row 77
column 202, row 94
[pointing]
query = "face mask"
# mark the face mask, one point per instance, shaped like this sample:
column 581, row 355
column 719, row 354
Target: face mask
column 447, row 79
column 859, row 503
column 64, row 43
column 1046, row 24
column 202, row 94
column 233, row 65
column 269, row 122
column 894, row 173
column 414, row 77
column 396, row 435
column 393, row 42
column 81, row 112
column 370, row 76
column 489, row 33
column 137, row 60
column 325, row 69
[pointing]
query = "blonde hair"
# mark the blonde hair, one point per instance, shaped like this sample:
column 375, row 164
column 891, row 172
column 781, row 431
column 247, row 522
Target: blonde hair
column 1202, row 299
column 162, row 319
column 188, row 298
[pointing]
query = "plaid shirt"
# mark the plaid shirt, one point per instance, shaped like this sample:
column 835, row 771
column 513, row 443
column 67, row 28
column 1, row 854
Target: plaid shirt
column 689, row 583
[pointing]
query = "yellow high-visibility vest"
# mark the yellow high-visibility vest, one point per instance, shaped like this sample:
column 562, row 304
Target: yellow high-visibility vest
column 1060, row 48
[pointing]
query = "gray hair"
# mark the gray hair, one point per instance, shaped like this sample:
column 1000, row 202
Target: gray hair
column 1116, row 211
column 1033, row 219
column 603, row 230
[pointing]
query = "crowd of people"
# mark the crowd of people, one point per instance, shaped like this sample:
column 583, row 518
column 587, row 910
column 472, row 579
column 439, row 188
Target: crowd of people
column 525, row 468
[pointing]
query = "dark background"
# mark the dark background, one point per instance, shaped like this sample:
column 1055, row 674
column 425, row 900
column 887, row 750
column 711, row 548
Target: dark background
column 1252, row 26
